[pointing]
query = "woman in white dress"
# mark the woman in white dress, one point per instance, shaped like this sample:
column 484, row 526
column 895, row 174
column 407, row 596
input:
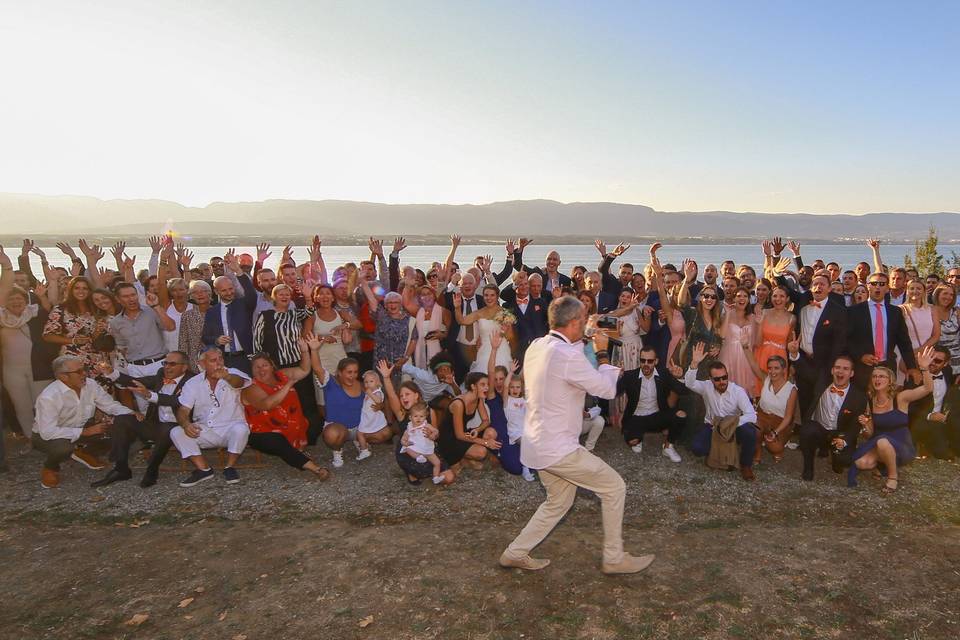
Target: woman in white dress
column 490, row 319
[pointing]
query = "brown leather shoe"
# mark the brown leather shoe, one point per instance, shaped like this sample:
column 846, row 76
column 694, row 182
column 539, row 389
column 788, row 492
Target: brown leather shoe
column 88, row 460
column 525, row 562
column 629, row 564
column 747, row 473
column 49, row 479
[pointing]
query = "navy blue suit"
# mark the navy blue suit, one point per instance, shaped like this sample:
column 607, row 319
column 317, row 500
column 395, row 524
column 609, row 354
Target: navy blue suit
column 240, row 319
column 530, row 325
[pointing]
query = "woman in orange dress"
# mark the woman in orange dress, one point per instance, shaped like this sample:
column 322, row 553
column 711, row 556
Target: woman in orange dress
column 277, row 424
column 773, row 331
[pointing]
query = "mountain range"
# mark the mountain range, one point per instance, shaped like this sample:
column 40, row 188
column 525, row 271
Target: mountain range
column 37, row 215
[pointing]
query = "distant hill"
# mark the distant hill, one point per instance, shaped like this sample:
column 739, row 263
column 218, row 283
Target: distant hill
column 26, row 215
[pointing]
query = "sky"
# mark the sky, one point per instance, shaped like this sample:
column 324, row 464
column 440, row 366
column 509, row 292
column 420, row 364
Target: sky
column 818, row 106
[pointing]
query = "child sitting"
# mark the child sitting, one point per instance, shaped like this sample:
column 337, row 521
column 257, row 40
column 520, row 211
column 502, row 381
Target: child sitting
column 419, row 439
column 372, row 419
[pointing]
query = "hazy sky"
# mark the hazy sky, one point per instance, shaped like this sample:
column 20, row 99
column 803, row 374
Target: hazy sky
column 833, row 106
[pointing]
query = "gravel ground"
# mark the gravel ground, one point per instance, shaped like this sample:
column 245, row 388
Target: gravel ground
column 659, row 493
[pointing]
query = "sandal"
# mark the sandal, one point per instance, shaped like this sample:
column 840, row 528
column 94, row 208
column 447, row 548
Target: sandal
column 887, row 489
column 414, row 481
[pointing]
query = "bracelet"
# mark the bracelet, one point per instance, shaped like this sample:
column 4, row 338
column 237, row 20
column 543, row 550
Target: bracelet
column 923, row 370
column 602, row 354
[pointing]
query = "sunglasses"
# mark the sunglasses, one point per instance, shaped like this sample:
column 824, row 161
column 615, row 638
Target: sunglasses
column 708, row 296
column 648, row 360
column 935, row 361
column 720, row 378
column 877, row 284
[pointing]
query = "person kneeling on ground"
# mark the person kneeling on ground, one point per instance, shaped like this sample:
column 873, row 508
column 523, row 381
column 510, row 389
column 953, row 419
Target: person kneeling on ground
column 651, row 405
column 726, row 402
column 214, row 399
column 64, row 420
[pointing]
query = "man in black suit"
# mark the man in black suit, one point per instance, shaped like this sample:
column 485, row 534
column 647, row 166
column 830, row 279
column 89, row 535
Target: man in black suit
column 228, row 324
column 821, row 337
column 833, row 420
column 162, row 391
column 874, row 329
column 651, row 405
column 531, row 314
column 611, row 286
column 933, row 423
column 550, row 272
column 462, row 341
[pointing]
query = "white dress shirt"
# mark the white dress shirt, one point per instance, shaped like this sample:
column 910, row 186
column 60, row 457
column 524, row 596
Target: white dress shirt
column 469, row 306
column 647, row 402
column 731, row 402
column 558, row 376
column 217, row 407
column 62, row 414
column 939, row 391
column 828, row 407
column 809, row 318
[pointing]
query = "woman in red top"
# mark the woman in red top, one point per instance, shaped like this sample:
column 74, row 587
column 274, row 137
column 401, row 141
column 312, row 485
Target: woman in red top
column 277, row 424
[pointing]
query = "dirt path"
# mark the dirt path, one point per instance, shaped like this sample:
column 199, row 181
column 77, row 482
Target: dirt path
column 439, row 579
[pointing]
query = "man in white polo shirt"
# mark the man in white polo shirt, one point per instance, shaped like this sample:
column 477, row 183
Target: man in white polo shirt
column 558, row 376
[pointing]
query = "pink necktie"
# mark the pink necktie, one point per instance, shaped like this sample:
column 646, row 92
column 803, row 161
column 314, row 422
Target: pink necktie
column 878, row 334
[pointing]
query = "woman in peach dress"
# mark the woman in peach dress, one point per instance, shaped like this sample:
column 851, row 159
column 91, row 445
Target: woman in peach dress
column 773, row 330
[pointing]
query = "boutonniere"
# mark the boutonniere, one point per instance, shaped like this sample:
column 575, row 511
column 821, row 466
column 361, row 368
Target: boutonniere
column 826, row 322
column 536, row 307
column 846, row 411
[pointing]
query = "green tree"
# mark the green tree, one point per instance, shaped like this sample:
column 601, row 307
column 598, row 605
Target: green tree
column 925, row 258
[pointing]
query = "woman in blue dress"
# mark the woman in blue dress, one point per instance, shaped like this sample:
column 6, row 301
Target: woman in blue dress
column 886, row 427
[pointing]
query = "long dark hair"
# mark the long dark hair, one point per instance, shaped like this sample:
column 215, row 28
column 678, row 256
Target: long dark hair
column 70, row 303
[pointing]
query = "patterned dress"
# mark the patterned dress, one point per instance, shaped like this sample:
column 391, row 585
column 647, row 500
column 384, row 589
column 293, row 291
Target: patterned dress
column 62, row 322
column 391, row 336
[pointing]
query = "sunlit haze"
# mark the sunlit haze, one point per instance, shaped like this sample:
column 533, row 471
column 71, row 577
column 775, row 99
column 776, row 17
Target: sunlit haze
column 745, row 106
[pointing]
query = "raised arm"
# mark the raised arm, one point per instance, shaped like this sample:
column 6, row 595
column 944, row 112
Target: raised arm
column 874, row 244
column 6, row 275
column 386, row 369
column 905, row 397
column 454, row 243
column 93, row 254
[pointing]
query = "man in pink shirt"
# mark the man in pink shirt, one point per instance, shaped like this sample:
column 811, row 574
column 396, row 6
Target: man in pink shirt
column 558, row 376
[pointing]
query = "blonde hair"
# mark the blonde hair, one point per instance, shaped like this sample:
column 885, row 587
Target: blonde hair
column 891, row 379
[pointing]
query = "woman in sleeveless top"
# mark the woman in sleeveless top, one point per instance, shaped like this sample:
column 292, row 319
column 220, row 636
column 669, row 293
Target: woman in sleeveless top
column 277, row 424
column 456, row 442
column 922, row 326
column 887, row 426
column 945, row 313
column 431, row 322
column 327, row 325
column 738, row 342
column 777, row 407
column 772, row 330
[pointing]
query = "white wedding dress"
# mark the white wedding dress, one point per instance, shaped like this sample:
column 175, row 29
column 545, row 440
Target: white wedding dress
column 485, row 329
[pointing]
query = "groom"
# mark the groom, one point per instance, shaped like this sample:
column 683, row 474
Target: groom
column 558, row 376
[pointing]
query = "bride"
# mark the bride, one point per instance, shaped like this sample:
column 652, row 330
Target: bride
column 489, row 319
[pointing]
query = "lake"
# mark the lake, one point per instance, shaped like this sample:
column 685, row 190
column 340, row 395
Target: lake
column 847, row 255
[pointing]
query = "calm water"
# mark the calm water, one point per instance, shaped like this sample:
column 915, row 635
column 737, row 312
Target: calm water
column 571, row 255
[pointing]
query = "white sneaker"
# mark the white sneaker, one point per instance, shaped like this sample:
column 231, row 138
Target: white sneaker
column 338, row 459
column 793, row 445
column 528, row 475
column 637, row 448
column 437, row 479
column 671, row 453
column 421, row 459
column 364, row 454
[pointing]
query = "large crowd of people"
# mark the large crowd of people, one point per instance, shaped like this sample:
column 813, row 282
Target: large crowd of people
column 326, row 365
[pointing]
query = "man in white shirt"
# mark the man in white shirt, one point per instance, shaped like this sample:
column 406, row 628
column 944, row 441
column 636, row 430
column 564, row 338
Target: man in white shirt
column 65, row 413
column 722, row 399
column 651, row 405
column 218, row 420
column 558, row 376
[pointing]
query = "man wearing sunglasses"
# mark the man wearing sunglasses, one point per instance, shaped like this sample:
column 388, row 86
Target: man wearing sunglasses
column 932, row 420
column 874, row 329
column 722, row 399
column 651, row 405
column 162, row 392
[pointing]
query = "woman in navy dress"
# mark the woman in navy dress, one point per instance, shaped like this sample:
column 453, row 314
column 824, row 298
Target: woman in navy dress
column 886, row 428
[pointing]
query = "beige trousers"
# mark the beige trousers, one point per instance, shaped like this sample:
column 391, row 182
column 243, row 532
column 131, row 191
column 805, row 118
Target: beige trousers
column 578, row 469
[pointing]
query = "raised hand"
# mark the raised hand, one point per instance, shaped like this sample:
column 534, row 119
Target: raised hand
column 620, row 249
column 399, row 244
column 794, row 247
column 40, row 289
column 601, row 247
column 656, row 246
column 156, row 242
column 313, row 342
column 457, row 299
column 34, row 249
column 455, row 241
column 117, row 252
column 263, row 252
column 314, row 249
column 385, row 368
column 151, row 299
column 873, row 243
column 485, row 263
column 689, row 270
column 675, row 370
column 67, row 250
column 186, row 259
column 28, row 246
column 699, row 353
column 781, row 266
column 5, row 259
column 510, row 246
column 231, row 261
column 766, row 247
column 777, row 245
column 924, row 357
column 376, row 247
column 515, row 366
column 128, row 262
column 793, row 345
column 496, row 339
column 287, row 256
column 525, row 242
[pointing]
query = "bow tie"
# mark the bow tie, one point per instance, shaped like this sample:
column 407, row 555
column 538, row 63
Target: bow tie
column 522, row 300
column 837, row 390
column 939, row 376
column 814, row 303
column 167, row 381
